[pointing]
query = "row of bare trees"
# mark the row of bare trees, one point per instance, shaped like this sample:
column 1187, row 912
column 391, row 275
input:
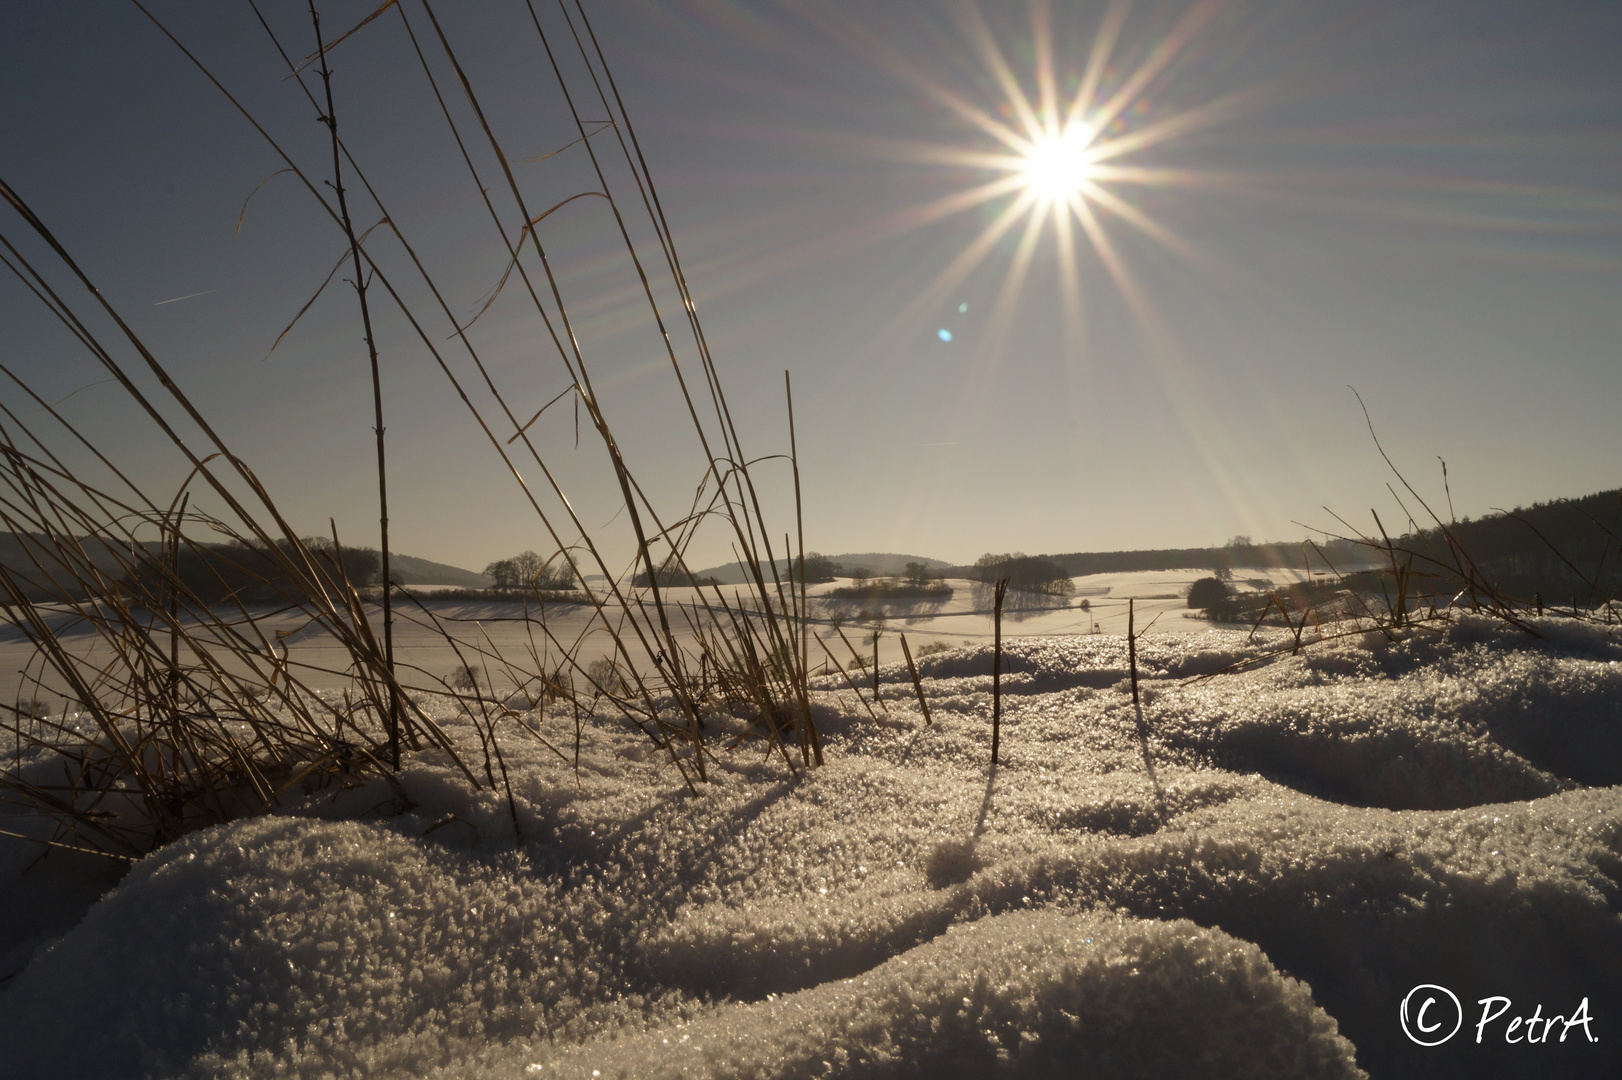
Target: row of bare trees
column 527, row 570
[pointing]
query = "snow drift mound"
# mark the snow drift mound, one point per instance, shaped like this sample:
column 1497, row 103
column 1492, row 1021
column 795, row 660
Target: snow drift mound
column 1021, row 995
column 1484, row 715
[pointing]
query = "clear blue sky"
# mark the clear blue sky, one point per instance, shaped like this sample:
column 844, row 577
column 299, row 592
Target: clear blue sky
column 1419, row 200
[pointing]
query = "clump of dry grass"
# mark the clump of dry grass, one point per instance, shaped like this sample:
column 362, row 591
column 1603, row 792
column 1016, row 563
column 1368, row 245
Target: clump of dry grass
column 179, row 712
column 1424, row 578
column 186, row 711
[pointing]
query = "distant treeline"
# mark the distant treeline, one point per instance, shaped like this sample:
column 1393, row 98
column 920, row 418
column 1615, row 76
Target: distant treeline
column 1231, row 556
column 216, row 573
column 31, row 562
column 1560, row 549
column 211, row 573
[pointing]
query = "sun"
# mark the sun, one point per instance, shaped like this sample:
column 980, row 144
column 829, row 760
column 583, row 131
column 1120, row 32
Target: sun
column 1057, row 167
column 1060, row 155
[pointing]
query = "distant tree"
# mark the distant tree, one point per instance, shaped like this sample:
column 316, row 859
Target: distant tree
column 544, row 575
column 527, row 570
column 670, row 573
column 556, row 576
column 502, row 574
column 820, row 568
column 527, row 565
column 464, row 679
column 1207, row 593
column 860, row 575
column 916, row 573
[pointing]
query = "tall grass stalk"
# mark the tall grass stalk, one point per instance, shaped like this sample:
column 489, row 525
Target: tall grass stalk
column 917, row 683
column 999, row 591
column 1132, row 645
column 876, row 635
column 330, row 119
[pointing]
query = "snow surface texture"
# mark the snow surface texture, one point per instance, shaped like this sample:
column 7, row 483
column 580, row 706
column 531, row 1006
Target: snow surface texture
column 1243, row 879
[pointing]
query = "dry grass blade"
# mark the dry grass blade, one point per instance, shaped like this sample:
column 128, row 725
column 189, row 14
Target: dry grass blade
column 243, row 213
column 495, row 292
column 308, row 304
column 601, row 124
column 917, row 683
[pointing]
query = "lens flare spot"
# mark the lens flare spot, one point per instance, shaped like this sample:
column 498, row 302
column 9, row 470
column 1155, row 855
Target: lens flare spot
column 944, row 334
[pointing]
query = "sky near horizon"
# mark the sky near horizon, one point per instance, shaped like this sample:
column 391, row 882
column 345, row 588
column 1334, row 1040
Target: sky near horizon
column 1270, row 206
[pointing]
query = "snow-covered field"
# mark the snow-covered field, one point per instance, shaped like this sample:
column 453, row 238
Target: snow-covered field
column 1099, row 605
column 511, row 629
column 1244, row 878
column 508, row 628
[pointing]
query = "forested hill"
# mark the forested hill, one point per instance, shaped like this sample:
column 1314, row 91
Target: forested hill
column 33, row 564
column 876, row 562
column 1561, row 549
column 31, row 561
column 1233, row 556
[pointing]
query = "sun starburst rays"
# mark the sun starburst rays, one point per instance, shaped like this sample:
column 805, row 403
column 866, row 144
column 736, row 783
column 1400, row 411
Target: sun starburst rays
column 1066, row 163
